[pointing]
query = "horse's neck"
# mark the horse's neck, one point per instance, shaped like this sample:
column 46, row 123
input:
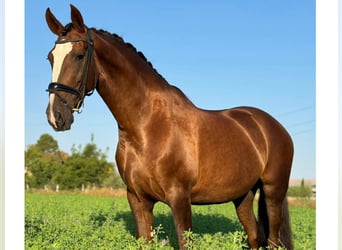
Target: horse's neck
column 127, row 84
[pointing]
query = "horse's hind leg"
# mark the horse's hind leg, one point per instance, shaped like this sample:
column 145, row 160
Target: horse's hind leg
column 244, row 210
column 274, row 201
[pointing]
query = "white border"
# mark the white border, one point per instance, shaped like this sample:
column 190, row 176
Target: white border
column 2, row 123
column 327, row 124
column 340, row 123
column 14, row 124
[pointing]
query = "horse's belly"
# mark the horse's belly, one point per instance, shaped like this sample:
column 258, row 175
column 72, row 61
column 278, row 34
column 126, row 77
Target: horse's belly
column 226, row 181
column 213, row 195
column 221, row 191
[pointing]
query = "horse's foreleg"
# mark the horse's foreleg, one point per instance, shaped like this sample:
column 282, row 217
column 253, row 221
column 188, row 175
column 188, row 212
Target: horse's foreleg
column 142, row 211
column 244, row 210
column 180, row 204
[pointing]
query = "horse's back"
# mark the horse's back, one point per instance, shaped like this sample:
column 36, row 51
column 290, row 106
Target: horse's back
column 262, row 130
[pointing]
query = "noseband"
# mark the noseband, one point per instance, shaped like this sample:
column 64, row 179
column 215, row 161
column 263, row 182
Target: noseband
column 81, row 93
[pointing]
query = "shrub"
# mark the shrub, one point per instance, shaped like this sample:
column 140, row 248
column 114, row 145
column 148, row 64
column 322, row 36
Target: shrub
column 302, row 191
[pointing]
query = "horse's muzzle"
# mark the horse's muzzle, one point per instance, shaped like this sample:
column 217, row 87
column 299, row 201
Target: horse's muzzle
column 60, row 120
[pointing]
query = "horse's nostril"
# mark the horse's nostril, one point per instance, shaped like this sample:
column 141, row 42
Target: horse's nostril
column 58, row 115
column 59, row 119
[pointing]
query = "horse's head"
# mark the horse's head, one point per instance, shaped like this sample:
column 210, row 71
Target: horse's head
column 73, row 69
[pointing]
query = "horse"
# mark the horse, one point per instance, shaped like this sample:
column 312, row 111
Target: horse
column 168, row 149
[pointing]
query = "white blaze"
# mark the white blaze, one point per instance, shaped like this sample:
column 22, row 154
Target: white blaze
column 52, row 117
column 59, row 53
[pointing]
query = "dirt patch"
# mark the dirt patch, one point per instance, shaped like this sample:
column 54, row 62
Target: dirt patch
column 93, row 192
column 302, row 202
column 106, row 192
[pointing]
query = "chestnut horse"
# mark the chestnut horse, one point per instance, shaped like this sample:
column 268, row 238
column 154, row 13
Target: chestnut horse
column 169, row 150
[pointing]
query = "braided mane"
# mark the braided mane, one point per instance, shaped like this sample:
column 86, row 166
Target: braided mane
column 130, row 46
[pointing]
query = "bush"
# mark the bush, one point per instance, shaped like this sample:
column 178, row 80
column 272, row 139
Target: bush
column 47, row 166
column 301, row 191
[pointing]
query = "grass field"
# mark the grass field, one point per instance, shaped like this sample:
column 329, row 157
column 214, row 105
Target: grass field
column 74, row 221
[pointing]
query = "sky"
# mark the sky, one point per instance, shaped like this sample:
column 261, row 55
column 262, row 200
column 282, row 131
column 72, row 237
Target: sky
column 221, row 54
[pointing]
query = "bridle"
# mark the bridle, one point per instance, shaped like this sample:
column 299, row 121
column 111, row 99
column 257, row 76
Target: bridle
column 81, row 93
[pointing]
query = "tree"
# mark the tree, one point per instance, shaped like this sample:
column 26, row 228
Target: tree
column 42, row 160
column 45, row 165
column 47, row 144
column 302, row 183
column 86, row 166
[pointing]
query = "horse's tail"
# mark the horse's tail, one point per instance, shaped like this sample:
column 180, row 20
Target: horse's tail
column 263, row 226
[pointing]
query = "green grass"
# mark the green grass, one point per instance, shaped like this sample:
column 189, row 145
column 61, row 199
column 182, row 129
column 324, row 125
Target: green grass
column 71, row 221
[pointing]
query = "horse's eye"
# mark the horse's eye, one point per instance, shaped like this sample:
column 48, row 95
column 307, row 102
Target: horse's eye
column 79, row 57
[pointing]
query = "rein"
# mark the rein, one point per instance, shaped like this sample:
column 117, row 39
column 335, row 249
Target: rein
column 81, row 93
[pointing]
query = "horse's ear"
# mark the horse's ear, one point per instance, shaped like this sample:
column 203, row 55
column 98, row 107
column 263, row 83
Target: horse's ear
column 55, row 26
column 77, row 19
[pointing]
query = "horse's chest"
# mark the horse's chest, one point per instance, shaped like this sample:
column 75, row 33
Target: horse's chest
column 153, row 173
